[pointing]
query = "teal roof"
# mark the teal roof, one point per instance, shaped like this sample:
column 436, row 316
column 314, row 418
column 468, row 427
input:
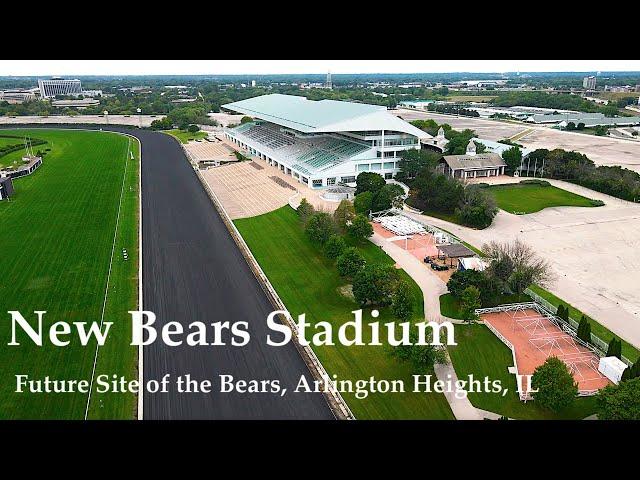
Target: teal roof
column 299, row 113
column 325, row 116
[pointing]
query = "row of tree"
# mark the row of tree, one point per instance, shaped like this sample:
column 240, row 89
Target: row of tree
column 578, row 168
column 372, row 284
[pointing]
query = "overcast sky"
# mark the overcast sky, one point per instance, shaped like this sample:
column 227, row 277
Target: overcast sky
column 257, row 67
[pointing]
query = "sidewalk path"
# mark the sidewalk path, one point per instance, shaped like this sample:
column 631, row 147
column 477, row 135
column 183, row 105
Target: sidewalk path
column 432, row 287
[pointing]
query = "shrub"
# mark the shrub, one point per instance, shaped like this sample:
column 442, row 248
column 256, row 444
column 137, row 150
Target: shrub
column 535, row 181
column 556, row 387
column 193, row 128
column 350, row 262
column 478, row 208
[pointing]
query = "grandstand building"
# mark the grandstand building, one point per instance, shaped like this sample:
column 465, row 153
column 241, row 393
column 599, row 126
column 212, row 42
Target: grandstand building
column 323, row 143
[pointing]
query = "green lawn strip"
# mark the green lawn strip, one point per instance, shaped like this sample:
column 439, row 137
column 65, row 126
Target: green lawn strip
column 597, row 329
column 450, row 305
column 523, row 198
column 185, row 136
column 309, row 283
column 61, row 220
column 480, row 353
column 117, row 356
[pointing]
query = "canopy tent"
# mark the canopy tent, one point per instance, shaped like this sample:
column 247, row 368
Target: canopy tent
column 612, row 368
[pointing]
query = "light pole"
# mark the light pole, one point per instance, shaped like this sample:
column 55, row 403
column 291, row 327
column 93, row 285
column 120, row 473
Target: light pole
column 139, row 118
column 106, row 116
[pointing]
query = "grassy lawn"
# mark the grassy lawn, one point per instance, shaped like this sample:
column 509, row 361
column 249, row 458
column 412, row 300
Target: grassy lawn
column 598, row 330
column 522, row 198
column 450, row 305
column 481, row 353
column 309, row 283
column 184, row 136
column 62, row 221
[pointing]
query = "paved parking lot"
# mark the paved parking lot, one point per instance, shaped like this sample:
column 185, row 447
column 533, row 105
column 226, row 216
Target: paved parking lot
column 594, row 252
column 602, row 150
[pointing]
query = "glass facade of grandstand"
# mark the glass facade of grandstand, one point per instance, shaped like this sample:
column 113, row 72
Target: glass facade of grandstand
column 51, row 88
column 323, row 159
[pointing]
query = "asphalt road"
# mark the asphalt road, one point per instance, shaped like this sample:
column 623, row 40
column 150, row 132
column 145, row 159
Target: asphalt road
column 194, row 272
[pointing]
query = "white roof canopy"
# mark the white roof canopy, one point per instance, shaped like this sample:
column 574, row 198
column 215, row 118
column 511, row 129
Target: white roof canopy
column 322, row 116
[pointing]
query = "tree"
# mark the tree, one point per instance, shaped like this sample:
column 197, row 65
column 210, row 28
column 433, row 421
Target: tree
column 319, row 227
column 501, row 268
column 334, row 246
column 374, row 284
column 571, row 126
column 513, row 158
column 391, row 195
column 461, row 279
column 619, row 402
column 528, row 267
column 423, row 357
column 246, row 119
column 344, row 214
column 305, row 210
column 350, row 262
column 360, row 228
column 362, row 202
column 580, row 126
column 469, row 302
column 162, row 124
column 401, row 304
column 478, row 208
column 193, row 128
column 615, row 348
column 634, row 370
column 553, row 385
column 434, row 191
column 413, row 161
column 369, row 182
column 584, row 330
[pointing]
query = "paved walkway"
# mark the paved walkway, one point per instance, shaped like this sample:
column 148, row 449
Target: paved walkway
column 432, row 287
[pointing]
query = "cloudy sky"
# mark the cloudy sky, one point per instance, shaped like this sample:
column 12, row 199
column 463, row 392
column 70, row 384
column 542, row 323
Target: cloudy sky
column 257, row 67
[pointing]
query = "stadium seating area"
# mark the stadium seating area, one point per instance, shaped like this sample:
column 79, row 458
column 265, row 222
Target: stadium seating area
column 306, row 155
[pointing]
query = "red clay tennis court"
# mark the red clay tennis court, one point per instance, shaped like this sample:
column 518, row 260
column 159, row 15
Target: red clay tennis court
column 535, row 337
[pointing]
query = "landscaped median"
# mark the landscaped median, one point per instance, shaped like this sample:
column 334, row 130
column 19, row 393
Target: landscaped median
column 309, row 283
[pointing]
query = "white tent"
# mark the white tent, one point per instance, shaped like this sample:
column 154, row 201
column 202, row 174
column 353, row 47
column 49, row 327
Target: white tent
column 612, row 368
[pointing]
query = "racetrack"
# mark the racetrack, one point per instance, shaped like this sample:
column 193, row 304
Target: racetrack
column 194, row 272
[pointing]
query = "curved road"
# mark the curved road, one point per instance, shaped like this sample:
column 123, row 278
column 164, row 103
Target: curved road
column 194, row 272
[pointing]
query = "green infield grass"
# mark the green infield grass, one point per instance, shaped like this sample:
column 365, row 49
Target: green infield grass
column 309, row 283
column 522, row 198
column 481, row 354
column 61, row 252
column 184, row 136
